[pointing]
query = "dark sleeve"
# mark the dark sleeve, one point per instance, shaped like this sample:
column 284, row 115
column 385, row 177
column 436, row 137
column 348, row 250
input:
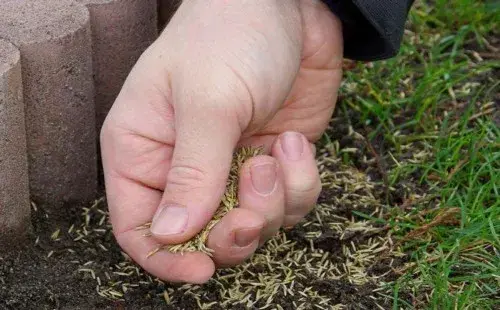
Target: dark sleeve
column 372, row 29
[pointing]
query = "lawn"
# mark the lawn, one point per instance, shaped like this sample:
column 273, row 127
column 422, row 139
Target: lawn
column 433, row 117
column 409, row 215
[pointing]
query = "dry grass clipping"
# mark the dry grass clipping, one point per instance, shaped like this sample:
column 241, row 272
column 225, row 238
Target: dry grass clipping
column 228, row 202
column 445, row 217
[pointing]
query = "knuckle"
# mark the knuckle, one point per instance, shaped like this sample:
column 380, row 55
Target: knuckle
column 186, row 177
column 239, row 88
column 308, row 189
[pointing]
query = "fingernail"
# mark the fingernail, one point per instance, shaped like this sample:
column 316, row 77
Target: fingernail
column 263, row 178
column 245, row 237
column 170, row 220
column 292, row 145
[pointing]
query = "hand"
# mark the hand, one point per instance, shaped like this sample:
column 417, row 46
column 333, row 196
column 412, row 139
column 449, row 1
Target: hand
column 222, row 74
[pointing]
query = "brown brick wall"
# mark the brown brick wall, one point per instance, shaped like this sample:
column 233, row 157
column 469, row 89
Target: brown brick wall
column 14, row 194
column 62, row 63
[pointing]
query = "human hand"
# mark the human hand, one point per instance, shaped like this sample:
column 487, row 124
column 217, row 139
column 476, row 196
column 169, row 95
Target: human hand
column 221, row 75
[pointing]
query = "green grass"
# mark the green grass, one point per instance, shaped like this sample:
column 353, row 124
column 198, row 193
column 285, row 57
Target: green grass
column 435, row 108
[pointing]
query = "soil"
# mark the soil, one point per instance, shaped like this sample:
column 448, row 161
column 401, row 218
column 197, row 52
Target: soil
column 333, row 259
column 29, row 279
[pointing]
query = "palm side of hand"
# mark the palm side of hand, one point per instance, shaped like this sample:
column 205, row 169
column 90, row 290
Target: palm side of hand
column 256, row 99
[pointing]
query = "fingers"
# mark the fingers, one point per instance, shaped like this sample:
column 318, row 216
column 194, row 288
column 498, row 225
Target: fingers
column 258, row 217
column 296, row 157
column 236, row 237
column 261, row 190
column 302, row 182
column 205, row 139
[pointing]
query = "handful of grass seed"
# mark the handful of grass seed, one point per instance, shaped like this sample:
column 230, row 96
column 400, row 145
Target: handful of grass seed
column 228, row 202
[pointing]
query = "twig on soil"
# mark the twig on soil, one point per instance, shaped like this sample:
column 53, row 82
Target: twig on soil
column 490, row 47
column 455, row 169
column 494, row 55
column 475, row 116
column 447, row 216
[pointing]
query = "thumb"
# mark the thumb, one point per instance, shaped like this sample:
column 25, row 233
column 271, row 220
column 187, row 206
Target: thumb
column 204, row 143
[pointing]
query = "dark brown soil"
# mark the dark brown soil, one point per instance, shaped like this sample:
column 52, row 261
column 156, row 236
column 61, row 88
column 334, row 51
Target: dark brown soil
column 334, row 258
column 29, row 279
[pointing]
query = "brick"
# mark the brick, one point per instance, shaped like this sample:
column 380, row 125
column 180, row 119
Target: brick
column 14, row 191
column 54, row 40
column 121, row 32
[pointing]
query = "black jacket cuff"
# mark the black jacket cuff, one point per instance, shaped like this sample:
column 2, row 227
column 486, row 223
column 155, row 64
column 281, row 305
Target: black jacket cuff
column 372, row 29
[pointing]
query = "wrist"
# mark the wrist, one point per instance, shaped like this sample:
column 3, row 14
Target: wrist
column 270, row 18
column 276, row 9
